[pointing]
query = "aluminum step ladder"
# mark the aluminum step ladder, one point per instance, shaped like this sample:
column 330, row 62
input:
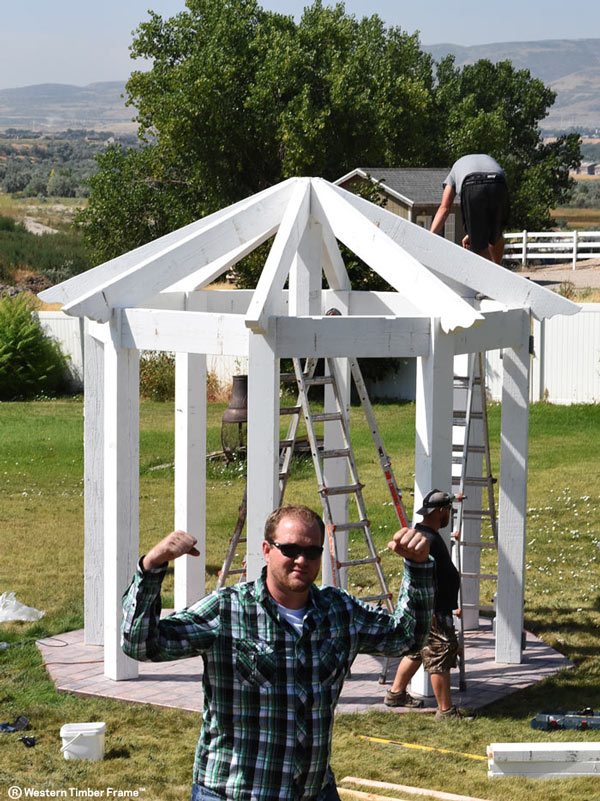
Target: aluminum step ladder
column 475, row 409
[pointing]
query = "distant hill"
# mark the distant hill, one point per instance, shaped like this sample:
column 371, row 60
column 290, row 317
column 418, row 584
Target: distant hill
column 569, row 66
column 55, row 106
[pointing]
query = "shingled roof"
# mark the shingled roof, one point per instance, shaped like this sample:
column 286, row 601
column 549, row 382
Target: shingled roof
column 412, row 185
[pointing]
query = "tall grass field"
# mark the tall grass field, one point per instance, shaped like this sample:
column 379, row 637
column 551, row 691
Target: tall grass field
column 149, row 750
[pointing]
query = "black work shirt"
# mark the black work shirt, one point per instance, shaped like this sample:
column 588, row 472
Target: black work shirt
column 447, row 579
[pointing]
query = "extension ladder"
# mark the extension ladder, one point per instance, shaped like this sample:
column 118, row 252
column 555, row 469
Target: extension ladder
column 463, row 447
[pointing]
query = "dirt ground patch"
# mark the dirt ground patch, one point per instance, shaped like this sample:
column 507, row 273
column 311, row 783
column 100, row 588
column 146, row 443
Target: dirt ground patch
column 585, row 275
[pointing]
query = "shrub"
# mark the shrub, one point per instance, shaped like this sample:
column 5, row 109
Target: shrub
column 31, row 363
column 157, row 378
column 157, row 375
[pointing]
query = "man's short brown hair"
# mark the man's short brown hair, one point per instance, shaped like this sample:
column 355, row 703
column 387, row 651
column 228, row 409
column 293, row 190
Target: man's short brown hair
column 302, row 513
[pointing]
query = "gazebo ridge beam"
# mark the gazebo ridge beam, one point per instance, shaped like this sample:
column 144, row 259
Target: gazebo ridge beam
column 180, row 257
column 81, row 284
column 393, row 263
column 446, row 259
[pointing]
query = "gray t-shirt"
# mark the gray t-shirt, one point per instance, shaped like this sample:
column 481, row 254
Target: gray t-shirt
column 475, row 162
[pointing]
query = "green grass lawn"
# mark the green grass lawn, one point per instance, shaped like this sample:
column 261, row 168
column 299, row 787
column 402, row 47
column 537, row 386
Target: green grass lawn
column 41, row 559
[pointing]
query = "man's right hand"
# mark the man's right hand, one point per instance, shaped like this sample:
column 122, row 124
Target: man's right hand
column 411, row 544
column 175, row 544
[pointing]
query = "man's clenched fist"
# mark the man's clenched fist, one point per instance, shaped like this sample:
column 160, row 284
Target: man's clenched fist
column 175, row 544
column 411, row 544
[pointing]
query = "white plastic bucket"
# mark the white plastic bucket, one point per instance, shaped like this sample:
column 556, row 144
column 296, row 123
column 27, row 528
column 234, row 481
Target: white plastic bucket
column 83, row 740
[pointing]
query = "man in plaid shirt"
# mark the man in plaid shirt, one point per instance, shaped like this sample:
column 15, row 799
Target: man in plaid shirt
column 276, row 652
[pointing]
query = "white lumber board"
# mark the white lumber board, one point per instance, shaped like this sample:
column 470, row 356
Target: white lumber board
column 181, row 257
column 209, row 273
column 304, row 296
column 333, row 263
column 184, row 332
column 499, row 329
column 449, row 260
column 433, row 447
column 383, row 303
column 93, row 459
column 577, row 751
column 352, row 336
column 221, row 301
column 512, row 506
column 404, row 788
column 336, row 471
column 121, row 498
column 394, row 263
column 79, row 285
column 263, row 446
column 280, row 258
column 543, row 770
column 190, row 473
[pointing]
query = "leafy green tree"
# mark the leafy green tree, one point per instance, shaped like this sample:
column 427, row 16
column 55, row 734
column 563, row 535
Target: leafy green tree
column 497, row 109
column 239, row 98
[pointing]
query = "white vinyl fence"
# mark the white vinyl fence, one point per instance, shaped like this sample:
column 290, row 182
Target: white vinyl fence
column 547, row 246
column 565, row 367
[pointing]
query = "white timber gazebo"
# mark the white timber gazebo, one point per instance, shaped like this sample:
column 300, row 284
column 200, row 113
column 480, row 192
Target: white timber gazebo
column 446, row 302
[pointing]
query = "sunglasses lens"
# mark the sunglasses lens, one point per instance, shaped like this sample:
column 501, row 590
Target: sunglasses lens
column 294, row 551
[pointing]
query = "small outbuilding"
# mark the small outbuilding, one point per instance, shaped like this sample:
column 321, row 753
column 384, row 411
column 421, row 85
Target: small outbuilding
column 444, row 302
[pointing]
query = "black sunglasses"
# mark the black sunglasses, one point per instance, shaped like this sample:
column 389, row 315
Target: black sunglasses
column 291, row 551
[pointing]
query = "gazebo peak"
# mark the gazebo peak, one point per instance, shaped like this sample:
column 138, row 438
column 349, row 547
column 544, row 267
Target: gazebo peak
column 424, row 268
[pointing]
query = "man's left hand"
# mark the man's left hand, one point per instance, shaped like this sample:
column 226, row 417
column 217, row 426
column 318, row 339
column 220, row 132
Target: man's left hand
column 411, row 544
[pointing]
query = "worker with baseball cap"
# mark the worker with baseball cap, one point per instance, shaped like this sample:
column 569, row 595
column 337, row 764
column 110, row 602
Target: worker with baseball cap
column 440, row 651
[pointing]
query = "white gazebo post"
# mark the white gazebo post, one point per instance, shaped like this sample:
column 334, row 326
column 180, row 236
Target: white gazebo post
column 262, row 468
column 121, row 492
column 513, row 499
column 190, row 473
column 433, row 450
column 93, row 460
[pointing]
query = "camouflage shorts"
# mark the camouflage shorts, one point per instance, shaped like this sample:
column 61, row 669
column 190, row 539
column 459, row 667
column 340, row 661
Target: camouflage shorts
column 440, row 652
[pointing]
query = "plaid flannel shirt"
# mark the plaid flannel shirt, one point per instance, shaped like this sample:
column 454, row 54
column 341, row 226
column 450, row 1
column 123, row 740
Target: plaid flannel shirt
column 269, row 694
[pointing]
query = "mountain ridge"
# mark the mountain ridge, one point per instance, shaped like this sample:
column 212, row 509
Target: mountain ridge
column 571, row 67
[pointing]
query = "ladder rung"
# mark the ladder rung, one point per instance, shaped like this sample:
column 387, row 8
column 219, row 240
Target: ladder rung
column 459, row 417
column 485, row 576
column 475, row 514
column 325, row 417
column 287, row 410
column 479, row 545
column 463, row 381
column 350, row 526
column 368, row 560
column 471, row 449
column 287, row 378
column 369, row 598
column 474, row 481
column 238, row 571
column 335, row 454
column 285, row 443
column 481, row 607
column 320, row 380
column 347, row 489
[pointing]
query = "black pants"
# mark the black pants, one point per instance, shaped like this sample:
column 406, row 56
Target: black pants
column 485, row 208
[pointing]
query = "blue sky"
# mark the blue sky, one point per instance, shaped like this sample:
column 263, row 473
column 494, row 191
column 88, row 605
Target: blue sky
column 83, row 41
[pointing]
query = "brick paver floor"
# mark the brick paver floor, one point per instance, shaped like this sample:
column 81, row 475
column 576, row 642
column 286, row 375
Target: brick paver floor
column 78, row 668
